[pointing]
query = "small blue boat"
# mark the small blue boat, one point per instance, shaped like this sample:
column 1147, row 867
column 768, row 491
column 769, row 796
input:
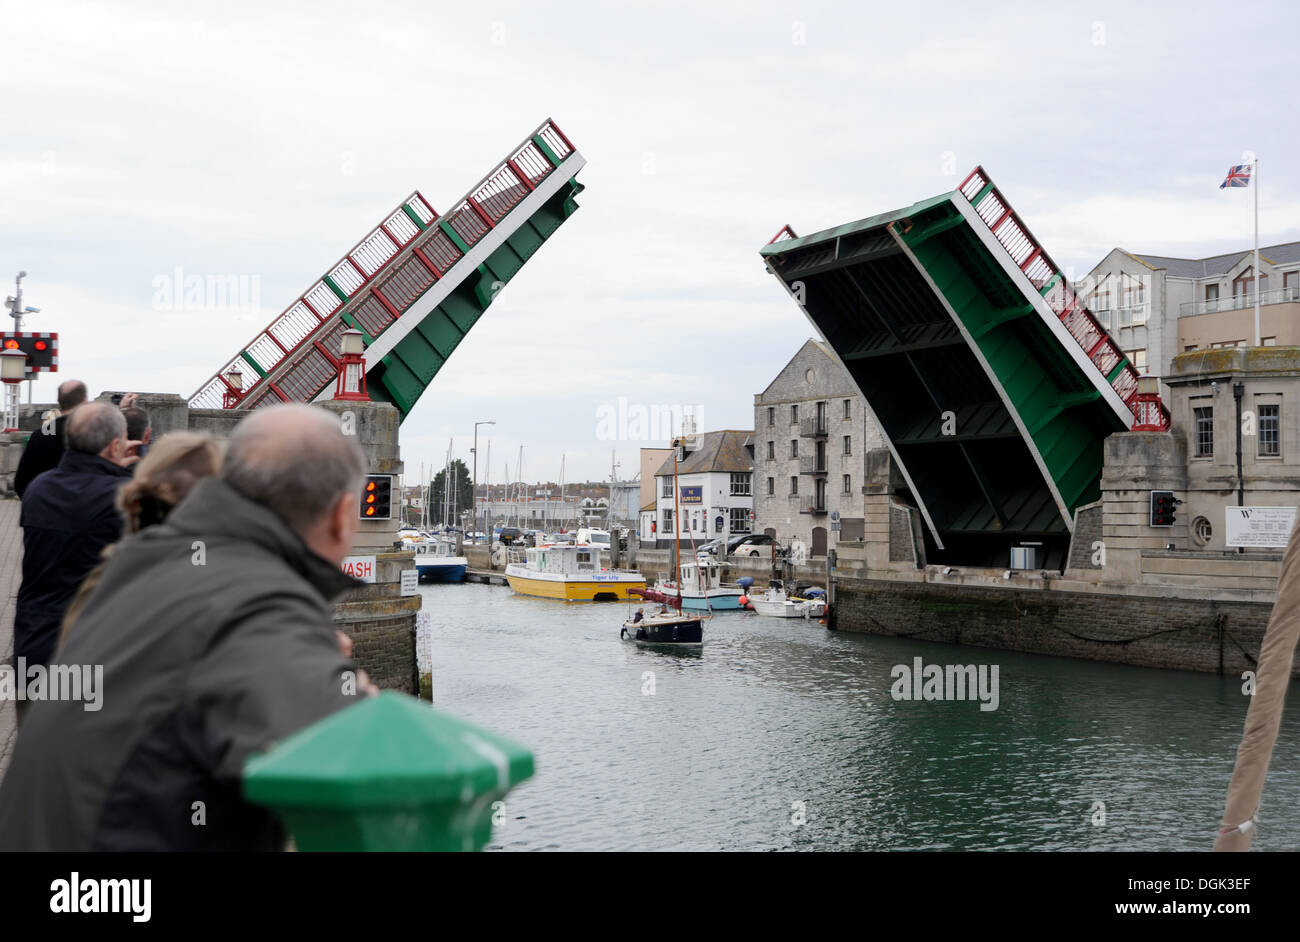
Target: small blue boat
column 435, row 561
column 703, row 589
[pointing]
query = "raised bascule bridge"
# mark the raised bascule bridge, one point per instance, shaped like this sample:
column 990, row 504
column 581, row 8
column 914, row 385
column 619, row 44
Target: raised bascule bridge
column 414, row 286
column 994, row 385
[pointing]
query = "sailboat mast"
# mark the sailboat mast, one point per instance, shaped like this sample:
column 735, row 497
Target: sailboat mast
column 677, row 530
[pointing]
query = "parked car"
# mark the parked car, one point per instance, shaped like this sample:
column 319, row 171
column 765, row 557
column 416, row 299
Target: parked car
column 510, row 536
column 711, row 548
column 754, row 544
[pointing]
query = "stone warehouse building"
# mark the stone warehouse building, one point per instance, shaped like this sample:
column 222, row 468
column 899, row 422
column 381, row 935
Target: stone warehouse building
column 812, row 432
column 1157, row 306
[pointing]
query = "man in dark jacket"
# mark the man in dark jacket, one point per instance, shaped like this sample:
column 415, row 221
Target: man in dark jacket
column 68, row 516
column 215, row 635
column 46, row 446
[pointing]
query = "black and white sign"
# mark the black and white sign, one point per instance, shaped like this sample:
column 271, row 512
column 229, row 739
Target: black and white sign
column 1258, row 526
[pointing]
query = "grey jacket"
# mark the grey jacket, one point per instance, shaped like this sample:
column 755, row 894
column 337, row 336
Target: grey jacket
column 216, row 639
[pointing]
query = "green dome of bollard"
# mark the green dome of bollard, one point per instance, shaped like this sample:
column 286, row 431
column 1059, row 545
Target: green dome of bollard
column 388, row 774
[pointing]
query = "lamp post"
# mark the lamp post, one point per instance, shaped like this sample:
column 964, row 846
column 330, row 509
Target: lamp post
column 13, row 370
column 474, row 479
column 351, row 383
column 234, row 388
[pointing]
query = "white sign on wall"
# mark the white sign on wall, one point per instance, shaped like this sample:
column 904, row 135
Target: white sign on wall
column 410, row 582
column 360, row 567
column 1258, row 526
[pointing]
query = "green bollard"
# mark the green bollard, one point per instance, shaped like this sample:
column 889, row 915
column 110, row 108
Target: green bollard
column 388, row 774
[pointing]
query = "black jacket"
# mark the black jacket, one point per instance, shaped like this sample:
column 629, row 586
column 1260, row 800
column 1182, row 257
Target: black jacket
column 42, row 453
column 68, row 516
column 216, row 639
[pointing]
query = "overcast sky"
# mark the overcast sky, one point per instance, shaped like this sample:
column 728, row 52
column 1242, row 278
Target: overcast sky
column 263, row 140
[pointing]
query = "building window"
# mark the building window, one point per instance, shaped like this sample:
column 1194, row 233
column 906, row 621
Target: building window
column 771, row 451
column 1190, row 347
column 668, row 487
column 794, row 486
column 848, row 408
column 1211, row 292
column 848, row 444
column 1270, row 431
column 1204, row 423
column 771, row 486
column 668, row 522
column 740, row 485
column 794, row 414
column 771, row 415
column 848, row 484
column 1291, row 286
column 1243, row 286
column 1268, row 341
column 1202, row 531
column 1138, row 358
column 739, row 520
column 794, row 448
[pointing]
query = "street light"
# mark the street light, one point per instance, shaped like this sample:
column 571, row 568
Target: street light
column 474, row 477
column 13, row 370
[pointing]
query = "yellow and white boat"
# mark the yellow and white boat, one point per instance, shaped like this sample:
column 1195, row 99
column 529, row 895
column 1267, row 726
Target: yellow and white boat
column 569, row 572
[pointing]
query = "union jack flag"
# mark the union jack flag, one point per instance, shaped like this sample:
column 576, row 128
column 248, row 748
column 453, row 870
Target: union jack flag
column 1237, row 176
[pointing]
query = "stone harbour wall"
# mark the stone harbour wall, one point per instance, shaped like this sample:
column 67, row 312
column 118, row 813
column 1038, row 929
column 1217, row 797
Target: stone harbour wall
column 1152, row 629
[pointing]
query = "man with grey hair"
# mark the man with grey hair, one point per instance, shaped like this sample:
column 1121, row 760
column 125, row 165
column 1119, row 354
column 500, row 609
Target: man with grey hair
column 216, row 637
column 68, row 516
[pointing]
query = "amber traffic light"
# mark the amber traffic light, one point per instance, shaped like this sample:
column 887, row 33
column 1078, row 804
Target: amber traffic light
column 377, row 497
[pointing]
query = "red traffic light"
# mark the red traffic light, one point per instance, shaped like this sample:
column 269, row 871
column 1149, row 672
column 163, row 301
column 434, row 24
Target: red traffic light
column 11, row 344
column 39, row 345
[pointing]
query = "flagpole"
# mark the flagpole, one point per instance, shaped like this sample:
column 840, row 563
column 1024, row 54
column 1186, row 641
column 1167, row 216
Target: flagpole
column 1255, row 187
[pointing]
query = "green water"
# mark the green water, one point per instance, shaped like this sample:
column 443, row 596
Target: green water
column 783, row 735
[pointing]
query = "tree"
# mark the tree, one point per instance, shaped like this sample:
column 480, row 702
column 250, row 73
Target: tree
column 462, row 494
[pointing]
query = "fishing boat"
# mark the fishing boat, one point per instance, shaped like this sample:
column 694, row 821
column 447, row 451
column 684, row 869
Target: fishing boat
column 702, row 588
column 436, row 561
column 670, row 626
column 571, row 572
column 776, row 603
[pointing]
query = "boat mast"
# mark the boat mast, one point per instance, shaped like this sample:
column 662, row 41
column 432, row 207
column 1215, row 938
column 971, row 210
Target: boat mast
column 677, row 529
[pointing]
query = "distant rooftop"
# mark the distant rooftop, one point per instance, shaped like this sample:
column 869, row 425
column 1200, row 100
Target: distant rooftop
column 725, row 450
column 1283, row 254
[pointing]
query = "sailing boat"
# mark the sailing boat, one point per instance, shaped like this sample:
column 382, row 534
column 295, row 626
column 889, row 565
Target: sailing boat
column 669, row 626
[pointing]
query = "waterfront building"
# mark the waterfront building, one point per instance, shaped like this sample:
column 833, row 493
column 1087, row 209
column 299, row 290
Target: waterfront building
column 715, row 476
column 812, row 434
column 1158, row 306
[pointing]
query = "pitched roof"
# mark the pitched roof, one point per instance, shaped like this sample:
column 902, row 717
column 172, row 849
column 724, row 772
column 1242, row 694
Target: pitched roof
column 725, row 450
column 1281, row 254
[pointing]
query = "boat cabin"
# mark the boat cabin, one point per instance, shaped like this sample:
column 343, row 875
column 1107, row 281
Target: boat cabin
column 562, row 557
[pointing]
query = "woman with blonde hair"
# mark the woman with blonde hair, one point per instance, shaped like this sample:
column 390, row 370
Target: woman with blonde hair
column 161, row 480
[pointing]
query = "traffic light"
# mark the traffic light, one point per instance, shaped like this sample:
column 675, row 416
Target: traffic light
column 1163, row 505
column 377, row 497
column 42, row 349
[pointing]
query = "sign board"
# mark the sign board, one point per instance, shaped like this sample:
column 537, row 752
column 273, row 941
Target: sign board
column 751, row 515
column 1258, row 526
column 693, row 495
column 359, row 567
column 835, row 525
column 410, row 582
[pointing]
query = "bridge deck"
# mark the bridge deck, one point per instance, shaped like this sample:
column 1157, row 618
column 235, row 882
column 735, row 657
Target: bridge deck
column 414, row 286
column 994, row 386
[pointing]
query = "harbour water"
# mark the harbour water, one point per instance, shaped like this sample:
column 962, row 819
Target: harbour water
column 781, row 735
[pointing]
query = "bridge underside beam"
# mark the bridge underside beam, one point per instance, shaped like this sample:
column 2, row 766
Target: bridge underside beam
column 996, row 428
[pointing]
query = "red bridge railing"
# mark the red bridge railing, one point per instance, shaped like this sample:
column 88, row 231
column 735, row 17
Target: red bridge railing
column 1046, row 276
column 376, row 280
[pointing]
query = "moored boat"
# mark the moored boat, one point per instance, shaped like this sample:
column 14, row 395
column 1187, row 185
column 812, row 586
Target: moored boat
column 436, row 561
column 776, row 603
column 569, row 572
column 702, row 588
